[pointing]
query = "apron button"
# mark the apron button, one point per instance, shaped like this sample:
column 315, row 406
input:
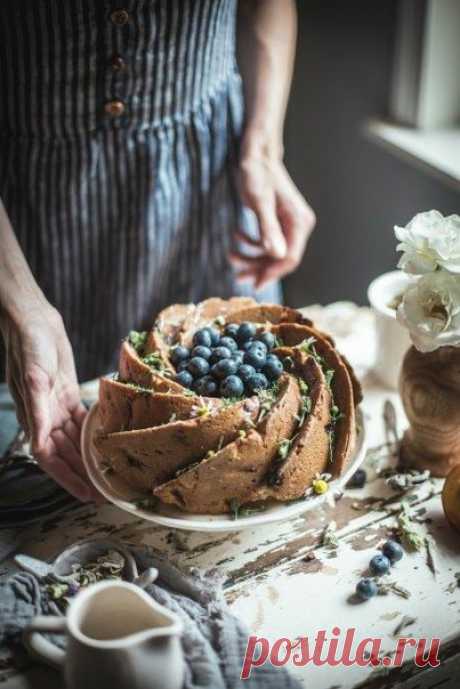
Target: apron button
column 118, row 64
column 115, row 108
column 119, row 17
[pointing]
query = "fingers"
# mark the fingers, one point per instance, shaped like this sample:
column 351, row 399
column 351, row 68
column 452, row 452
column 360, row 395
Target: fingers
column 261, row 200
column 247, row 267
column 51, row 462
column 37, row 398
column 297, row 220
column 241, row 236
column 69, row 451
column 275, row 270
column 79, row 414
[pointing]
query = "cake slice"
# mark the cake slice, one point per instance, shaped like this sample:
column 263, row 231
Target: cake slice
column 162, row 450
column 232, row 473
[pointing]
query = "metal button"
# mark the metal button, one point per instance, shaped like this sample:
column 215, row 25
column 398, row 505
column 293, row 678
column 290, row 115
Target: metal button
column 119, row 17
column 118, row 64
column 115, row 108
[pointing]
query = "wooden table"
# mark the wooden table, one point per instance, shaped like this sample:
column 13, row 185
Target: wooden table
column 283, row 582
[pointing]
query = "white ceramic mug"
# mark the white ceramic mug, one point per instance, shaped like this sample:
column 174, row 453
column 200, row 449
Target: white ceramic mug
column 117, row 637
column 392, row 338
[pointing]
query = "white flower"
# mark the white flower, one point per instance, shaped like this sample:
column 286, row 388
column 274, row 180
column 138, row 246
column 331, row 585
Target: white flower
column 430, row 241
column 430, row 309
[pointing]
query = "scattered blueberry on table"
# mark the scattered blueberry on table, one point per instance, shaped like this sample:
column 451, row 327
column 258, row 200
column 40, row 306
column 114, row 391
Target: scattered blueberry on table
column 392, row 550
column 379, row 565
column 232, row 364
column 358, row 480
column 366, row 588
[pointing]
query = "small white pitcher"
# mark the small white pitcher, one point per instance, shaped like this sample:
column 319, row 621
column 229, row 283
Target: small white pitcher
column 117, row 637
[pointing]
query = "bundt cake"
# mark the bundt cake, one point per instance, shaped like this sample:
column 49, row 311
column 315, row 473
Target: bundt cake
column 224, row 403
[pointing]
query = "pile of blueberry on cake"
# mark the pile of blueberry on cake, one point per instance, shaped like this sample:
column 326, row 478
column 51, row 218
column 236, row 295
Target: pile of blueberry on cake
column 239, row 361
column 226, row 404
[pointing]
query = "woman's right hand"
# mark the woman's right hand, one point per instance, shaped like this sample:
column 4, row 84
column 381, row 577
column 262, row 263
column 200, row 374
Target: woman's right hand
column 41, row 376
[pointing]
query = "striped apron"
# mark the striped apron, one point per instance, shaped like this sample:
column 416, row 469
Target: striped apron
column 119, row 128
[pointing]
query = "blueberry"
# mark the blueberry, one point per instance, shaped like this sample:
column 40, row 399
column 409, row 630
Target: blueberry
column 392, row 550
column 231, row 330
column 255, row 357
column 273, row 367
column 358, row 479
column 258, row 344
column 238, row 356
column 199, row 385
column 215, row 336
column 267, row 338
column 184, row 378
column 224, row 368
column 220, row 353
column 182, row 365
column 202, row 337
column 201, row 351
column 379, row 565
column 257, row 382
column 228, row 342
column 179, row 354
column 198, row 367
column 245, row 332
column 231, row 386
column 246, row 372
column 366, row 588
column 206, row 385
column 247, row 345
column 210, row 389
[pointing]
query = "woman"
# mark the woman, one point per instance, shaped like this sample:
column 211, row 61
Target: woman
column 122, row 138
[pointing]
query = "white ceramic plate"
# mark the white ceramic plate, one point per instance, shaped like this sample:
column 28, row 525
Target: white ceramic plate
column 125, row 497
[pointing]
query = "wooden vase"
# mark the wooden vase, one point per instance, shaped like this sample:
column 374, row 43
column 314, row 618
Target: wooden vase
column 429, row 385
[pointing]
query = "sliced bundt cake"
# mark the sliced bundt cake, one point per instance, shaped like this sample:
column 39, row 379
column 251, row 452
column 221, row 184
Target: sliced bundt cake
column 227, row 402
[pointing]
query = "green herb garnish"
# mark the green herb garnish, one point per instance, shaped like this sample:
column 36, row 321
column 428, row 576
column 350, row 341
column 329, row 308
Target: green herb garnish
column 137, row 340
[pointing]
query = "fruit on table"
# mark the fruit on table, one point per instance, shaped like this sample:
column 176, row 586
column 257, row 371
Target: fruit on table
column 379, row 565
column 451, row 497
column 358, row 479
column 393, row 551
column 366, row 588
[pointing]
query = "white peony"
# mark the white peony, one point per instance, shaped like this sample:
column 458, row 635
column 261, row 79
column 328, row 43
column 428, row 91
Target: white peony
column 430, row 241
column 430, row 309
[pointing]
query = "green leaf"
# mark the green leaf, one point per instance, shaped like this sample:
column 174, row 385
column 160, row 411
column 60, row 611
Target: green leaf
column 137, row 340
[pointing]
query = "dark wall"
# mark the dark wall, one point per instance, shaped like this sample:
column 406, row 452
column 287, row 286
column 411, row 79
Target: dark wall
column 358, row 190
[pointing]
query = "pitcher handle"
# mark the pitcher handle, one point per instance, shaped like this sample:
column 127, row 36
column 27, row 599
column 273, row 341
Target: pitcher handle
column 147, row 577
column 36, row 643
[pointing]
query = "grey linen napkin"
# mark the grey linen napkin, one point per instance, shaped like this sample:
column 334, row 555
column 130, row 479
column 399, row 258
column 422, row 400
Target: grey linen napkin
column 214, row 641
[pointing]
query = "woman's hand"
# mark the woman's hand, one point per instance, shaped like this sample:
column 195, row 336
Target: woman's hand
column 285, row 221
column 42, row 380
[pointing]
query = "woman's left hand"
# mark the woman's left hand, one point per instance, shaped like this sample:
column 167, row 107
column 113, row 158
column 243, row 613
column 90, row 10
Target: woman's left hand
column 285, row 221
